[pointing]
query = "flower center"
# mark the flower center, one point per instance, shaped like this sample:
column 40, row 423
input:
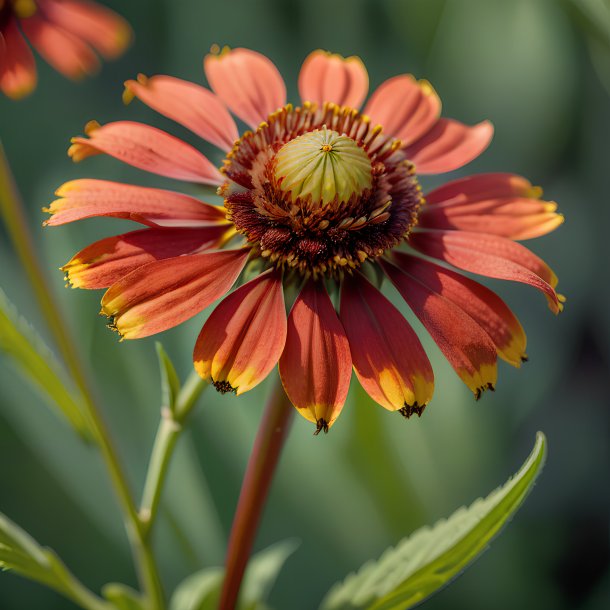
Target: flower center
column 319, row 190
column 323, row 166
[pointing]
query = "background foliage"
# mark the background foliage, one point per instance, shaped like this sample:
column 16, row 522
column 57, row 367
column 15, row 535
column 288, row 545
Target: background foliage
column 538, row 70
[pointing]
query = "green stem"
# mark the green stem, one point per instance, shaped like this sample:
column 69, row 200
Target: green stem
column 170, row 428
column 12, row 210
column 83, row 597
column 263, row 461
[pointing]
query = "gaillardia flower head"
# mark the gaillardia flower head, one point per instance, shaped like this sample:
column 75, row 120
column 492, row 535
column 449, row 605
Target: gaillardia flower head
column 64, row 32
column 323, row 198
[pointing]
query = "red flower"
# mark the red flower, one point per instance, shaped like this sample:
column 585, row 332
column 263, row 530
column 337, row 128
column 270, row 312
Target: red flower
column 64, row 32
column 324, row 199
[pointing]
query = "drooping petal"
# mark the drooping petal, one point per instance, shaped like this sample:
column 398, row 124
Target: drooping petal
column 243, row 338
column 86, row 198
column 17, row 65
column 449, row 145
column 485, row 307
column 146, row 148
column 195, row 107
column 464, row 343
column 161, row 295
column 389, row 359
column 102, row 28
column 316, row 364
column 491, row 256
column 106, row 261
column 247, row 82
column 499, row 204
column 481, row 187
column 67, row 53
column 327, row 77
column 405, row 107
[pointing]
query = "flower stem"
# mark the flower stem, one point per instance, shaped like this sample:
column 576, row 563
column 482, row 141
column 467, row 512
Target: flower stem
column 170, row 428
column 11, row 208
column 264, row 458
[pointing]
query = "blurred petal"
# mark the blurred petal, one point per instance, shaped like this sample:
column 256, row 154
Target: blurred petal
column 326, row 77
column 247, row 82
column 106, row 261
column 491, row 256
column 17, row 65
column 449, row 145
column 486, row 308
column 67, row 53
column 195, row 107
column 86, row 198
column 243, row 339
column 404, row 107
column 316, row 365
column 146, row 148
column 163, row 294
column 389, row 359
column 102, row 28
column 498, row 204
column 464, row 343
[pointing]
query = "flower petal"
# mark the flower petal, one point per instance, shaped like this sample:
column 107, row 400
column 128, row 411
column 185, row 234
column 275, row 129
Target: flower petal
column 67, row 53
column 498, row 204
column 247, row 82
column 243, row 338
column 163, row 294
column 449, row 145
column 146, row 148
column 464, row 343
column 491, row 256
column 389, row 359
column 405, row 107
column 195, row 107
column 106, row 261
column 316, row 365
column 86, row 198
column 17, row 65
column 102, row 28
column 485, row 307
column 327, row 77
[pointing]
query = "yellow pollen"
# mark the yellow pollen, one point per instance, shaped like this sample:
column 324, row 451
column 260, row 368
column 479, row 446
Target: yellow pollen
column 327, row 147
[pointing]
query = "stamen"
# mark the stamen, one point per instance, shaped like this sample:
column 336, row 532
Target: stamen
column 223, row 386
column 321, row 425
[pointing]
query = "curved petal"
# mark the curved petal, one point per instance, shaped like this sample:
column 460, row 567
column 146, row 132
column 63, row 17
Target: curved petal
column 389, row 359
column 327, row 77
column 464, row 343
column 146, row 148
column 316, row 365
column 17, row 65
column 449, row 145
column 243, row 339
column 492, row 256
column 405, row 107
column 67, row 53
column 86, row 198
column 106, row 261
column 195, row 107
column 485, row 307
column 102, row 28
column 482, row 187
column 247, row 82
column 163, row 294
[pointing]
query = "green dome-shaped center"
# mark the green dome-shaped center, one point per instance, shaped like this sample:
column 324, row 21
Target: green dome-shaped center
column 323, row 166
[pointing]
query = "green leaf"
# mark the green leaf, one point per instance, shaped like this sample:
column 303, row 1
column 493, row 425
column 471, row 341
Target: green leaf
column 35, row 361
column 201, row 591
column 170, row 382
column 123, row 597
column 430, row 558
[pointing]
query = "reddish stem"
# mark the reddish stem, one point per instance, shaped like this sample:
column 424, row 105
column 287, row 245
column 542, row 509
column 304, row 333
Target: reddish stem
column 261, row 467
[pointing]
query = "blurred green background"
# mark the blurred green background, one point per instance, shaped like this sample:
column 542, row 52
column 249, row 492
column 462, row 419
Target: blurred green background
column 540, row 70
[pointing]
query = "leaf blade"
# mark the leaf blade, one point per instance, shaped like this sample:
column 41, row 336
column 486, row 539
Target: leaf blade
column 431, row 558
